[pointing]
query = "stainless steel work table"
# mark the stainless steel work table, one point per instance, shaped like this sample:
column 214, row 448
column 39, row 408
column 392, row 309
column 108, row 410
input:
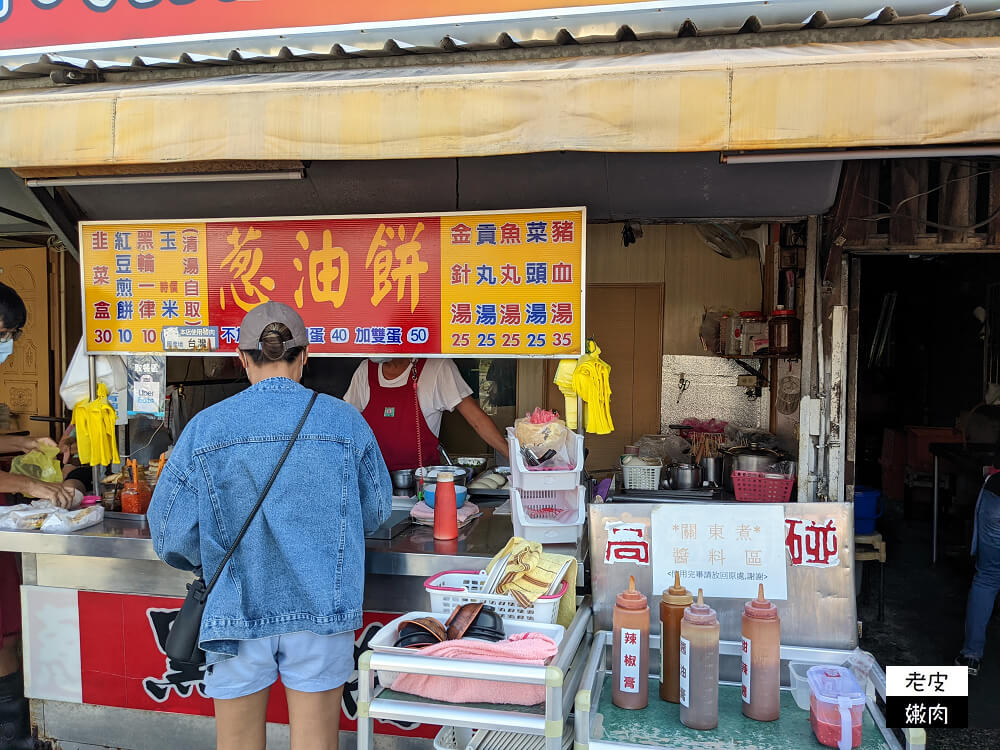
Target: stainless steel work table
column 117, row 557
column 414, row 552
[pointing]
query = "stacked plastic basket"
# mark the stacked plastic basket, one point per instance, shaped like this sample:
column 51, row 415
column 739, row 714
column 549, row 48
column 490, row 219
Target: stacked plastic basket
column 548, row 505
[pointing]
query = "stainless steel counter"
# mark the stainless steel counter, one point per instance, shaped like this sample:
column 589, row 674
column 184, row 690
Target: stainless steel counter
column 414, row 552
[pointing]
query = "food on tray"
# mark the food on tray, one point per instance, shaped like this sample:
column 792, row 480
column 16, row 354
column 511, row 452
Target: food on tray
column 489, row 481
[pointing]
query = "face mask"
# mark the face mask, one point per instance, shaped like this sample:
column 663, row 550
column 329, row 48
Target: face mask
column 380, row 360
column 6, row 347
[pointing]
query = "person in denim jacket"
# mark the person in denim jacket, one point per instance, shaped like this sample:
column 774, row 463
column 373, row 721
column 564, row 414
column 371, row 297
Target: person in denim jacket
column 291, row 597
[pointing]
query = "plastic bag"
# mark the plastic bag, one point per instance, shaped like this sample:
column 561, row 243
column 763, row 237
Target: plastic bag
column 75, row 385
column 27, row 519
column 65, row 521
column 668, row 448
column 147, row 384
column 40, row 463
column 541, row 432
column 860, row 663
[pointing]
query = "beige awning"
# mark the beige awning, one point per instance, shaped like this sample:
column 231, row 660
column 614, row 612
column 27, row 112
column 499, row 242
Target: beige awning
column 893, row 93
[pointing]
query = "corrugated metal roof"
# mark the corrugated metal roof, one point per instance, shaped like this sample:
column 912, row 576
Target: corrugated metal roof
column 629, row 22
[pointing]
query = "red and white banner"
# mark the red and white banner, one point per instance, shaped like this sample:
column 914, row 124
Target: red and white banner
column 107, row 650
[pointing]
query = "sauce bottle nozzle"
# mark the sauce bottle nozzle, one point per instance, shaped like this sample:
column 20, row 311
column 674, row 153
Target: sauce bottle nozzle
column 677, row 579
column 701, row 598
column 760, row 592
column 631, row 598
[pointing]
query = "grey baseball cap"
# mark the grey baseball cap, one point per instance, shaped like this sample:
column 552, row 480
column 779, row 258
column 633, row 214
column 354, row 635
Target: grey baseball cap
column 255, row 321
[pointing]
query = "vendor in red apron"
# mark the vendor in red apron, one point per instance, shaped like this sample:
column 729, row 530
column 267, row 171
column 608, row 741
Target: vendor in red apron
column 403, row 401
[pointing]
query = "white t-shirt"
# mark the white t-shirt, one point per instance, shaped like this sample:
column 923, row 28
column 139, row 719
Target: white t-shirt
column 439, row 389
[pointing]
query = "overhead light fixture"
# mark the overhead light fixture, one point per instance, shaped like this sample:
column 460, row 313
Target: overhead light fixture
column 163, row 179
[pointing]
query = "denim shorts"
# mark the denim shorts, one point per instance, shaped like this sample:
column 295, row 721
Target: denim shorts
column 305, row 662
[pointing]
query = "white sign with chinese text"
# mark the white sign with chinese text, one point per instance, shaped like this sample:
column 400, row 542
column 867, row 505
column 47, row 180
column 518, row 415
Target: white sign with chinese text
column 725, row 552
column 813, row 544
column 630, row 650
column 685, row 675
column 627, row 543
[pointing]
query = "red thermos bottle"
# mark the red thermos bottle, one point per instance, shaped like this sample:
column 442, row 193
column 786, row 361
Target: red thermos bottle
column 445, row 507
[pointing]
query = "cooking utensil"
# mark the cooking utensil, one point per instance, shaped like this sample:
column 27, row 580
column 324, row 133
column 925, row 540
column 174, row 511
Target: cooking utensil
column 403, row 479
column 753, row 457
column 429, row 474
column 712, row 470
column 684, row 476
column 444, row 455
column 430, row 491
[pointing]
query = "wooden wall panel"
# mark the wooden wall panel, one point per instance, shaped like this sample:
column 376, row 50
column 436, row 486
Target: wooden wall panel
column 693, row 276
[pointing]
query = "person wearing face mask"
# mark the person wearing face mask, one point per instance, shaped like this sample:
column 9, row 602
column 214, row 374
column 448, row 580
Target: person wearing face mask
column 13, row 317
column 13, row 708
column 387, row 392
column 290, row 598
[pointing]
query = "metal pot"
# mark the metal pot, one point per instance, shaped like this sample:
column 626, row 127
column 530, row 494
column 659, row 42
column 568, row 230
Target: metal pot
column 403, row 479
column 751, row 457
column 684, row 476
column 712, row 470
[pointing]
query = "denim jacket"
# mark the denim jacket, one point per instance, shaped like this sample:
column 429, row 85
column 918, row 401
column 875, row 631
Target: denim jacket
column 301, row 565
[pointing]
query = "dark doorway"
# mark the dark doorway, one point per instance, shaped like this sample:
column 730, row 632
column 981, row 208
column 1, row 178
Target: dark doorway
column 921, row 381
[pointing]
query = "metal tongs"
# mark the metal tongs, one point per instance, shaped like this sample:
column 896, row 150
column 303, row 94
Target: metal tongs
column 533, row 460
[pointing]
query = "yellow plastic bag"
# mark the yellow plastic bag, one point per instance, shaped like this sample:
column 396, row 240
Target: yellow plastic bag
column 40, row 463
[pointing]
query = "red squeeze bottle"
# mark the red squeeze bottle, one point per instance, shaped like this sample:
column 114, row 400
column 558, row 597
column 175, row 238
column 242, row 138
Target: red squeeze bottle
column 445, row 507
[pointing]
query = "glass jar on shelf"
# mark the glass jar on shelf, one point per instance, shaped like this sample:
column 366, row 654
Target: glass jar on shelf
column 785, row 333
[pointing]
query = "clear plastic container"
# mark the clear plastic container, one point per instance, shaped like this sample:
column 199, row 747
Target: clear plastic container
column 836, row 706
column 798, row 678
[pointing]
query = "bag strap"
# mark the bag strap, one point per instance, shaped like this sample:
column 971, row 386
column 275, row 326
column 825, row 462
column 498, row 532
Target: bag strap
column 263, row 494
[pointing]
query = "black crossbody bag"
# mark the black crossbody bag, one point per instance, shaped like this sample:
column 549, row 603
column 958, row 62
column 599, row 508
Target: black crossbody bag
column 182, row 640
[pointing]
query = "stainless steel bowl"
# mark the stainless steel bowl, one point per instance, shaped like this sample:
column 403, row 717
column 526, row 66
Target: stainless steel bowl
column 403, row 479
column 430, row 474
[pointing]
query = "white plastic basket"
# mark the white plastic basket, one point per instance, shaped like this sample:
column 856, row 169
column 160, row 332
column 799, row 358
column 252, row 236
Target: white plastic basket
column 452, row 588
column 641, row 476
column 523, row 477
column 453, row 738
column 532, row 519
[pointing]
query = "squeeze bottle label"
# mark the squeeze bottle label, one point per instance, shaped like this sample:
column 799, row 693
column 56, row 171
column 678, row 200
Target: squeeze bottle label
column 685, row 674
column 630, row 660
column 747, row 650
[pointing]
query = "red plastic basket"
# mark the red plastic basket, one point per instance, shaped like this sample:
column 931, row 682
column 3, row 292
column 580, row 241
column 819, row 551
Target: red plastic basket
column 758, row 487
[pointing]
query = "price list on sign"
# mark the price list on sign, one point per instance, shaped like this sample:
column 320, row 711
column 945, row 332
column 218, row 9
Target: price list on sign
column 512, row 284
column 473, row 284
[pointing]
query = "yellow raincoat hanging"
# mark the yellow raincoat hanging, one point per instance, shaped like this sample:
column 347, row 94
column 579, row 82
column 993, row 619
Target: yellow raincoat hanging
column 592, row 381
column 95, row 430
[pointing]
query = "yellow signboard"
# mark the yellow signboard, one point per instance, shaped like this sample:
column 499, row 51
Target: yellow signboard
column 487, row 284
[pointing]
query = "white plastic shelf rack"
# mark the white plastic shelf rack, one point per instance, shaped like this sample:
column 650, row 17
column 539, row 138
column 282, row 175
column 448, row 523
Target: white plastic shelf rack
column 561, row 679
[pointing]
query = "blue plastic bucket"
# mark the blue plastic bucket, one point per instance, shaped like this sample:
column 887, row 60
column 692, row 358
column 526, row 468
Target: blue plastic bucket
column 867, row 508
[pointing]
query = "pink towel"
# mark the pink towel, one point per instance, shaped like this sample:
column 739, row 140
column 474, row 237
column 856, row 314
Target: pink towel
column 521, row 648
column 421, row 511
